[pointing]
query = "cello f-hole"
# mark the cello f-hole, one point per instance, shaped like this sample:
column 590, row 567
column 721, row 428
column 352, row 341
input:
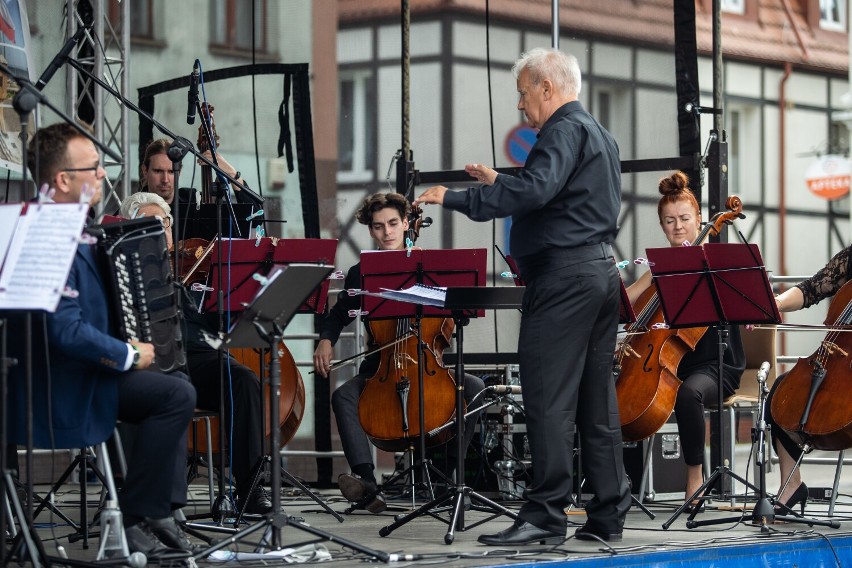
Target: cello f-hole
column 645, row 366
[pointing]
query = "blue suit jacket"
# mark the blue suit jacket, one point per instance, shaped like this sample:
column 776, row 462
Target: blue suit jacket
column 78, row 405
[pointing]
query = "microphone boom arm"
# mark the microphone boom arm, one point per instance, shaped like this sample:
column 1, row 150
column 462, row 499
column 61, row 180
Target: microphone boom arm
column 76, row 64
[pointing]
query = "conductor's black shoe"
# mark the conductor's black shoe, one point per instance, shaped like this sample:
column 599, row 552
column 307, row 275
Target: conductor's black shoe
column 141, row 539
column 521, row 532
column 362, row 492
column 587, row 532
column 169, row 533
column 256, row 503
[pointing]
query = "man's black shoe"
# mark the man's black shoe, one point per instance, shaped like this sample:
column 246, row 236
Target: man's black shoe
column 141, row 539
column 591, row 533
column 521, row 532
column 169, row 533
column 362, row 492
column 257, row 502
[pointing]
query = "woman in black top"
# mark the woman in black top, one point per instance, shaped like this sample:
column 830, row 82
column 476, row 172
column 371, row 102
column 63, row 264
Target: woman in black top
column 823, row 284
column 680, row 219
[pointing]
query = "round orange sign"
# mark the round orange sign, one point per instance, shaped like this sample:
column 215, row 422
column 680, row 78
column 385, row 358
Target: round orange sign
column 828, row 176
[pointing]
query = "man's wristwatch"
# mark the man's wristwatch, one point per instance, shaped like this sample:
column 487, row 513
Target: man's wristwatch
column 136, row 356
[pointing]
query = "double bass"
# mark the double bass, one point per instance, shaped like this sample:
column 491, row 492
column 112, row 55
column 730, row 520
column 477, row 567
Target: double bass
column 389, row 407
column 648, row 357
column 811, row 402
column 291, row 402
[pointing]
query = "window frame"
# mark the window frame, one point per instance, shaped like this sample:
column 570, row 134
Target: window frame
column 832, row 25
column 229, row 42
column 361, row 171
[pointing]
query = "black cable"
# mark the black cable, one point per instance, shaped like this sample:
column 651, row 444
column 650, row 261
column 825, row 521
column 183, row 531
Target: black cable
column 254, row 100
column 493, row 156
column 51, row 435
column 8, row 181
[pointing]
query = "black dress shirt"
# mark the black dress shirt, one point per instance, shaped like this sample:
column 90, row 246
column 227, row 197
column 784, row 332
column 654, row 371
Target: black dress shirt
column 567, row 195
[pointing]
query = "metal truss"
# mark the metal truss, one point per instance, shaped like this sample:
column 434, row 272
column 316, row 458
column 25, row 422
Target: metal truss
column 105, row 52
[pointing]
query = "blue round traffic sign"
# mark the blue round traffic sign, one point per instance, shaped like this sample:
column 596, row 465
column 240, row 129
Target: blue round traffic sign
column 519, row 140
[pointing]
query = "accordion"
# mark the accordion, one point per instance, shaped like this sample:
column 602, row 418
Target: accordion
column 138, row 276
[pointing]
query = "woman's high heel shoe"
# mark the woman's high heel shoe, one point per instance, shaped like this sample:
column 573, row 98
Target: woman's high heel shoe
column 799, row 497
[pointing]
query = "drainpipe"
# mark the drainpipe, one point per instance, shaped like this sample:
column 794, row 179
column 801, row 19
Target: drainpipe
column 782, row 164
column 782, row 153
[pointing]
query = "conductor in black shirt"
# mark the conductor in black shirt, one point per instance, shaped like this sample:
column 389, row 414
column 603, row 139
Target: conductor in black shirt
column 564, row 206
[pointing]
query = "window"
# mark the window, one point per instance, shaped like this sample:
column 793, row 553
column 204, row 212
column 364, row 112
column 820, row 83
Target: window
column 604, row 109
column 232, row 24
column 734, row 6
column 743, row 126
column 734, row 154
column 141, row 18
column 838, row 141
column 356, row 153
column 832, row 15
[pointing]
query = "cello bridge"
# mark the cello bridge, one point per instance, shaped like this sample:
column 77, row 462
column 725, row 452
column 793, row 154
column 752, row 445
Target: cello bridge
column 833, row 348
column 629, row 351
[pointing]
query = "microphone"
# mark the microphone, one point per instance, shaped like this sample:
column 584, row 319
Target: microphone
column 763, row 372
column 505, row 389
column 425, row 222
column 60, row 58
column 192, row 95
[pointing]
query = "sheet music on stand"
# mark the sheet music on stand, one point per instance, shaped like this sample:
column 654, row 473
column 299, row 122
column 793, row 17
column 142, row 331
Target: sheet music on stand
column 416, row 294
column 36, row 252
column 277, row 301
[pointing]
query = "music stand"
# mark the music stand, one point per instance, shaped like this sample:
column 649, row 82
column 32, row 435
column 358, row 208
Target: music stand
column 317, row 251
column 284, row 253
column 715, row 285
column 251, row 263
column 462, row 303
column 204, row 223
column 261, row 325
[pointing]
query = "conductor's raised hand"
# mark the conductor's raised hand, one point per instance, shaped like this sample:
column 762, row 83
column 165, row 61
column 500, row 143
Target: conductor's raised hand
column 481, row 173
column 434, row 194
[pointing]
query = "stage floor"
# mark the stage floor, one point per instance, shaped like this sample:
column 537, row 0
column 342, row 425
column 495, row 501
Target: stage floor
column 645, row 542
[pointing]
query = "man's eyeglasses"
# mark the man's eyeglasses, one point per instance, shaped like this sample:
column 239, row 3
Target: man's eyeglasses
column 166, row 221
column 89, row 169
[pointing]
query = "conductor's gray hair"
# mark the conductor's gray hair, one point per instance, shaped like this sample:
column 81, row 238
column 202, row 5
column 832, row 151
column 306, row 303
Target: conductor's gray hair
column 562, row 69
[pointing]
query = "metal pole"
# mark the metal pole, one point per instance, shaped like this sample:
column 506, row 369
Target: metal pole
column 554, row 21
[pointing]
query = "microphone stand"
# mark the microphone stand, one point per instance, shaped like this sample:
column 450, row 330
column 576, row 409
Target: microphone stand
column 129, row 104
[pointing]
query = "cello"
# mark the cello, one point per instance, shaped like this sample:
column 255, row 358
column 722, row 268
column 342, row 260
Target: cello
column 811, row 402
column 389, row 406
column 291, row 404
column 647, row 359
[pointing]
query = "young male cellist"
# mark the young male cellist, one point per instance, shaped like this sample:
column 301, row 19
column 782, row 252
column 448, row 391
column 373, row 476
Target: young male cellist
column 386, row 217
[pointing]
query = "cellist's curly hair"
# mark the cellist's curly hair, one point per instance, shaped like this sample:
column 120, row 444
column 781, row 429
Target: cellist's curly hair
column 676, row 188
column 379, row 201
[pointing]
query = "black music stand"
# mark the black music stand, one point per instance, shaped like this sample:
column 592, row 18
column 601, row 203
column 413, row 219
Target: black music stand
column 205, row 224
column 261, row 325
column 250, row 265
column 320, row 252
column 464, row 303
column 386, row 271
column 715, row 285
